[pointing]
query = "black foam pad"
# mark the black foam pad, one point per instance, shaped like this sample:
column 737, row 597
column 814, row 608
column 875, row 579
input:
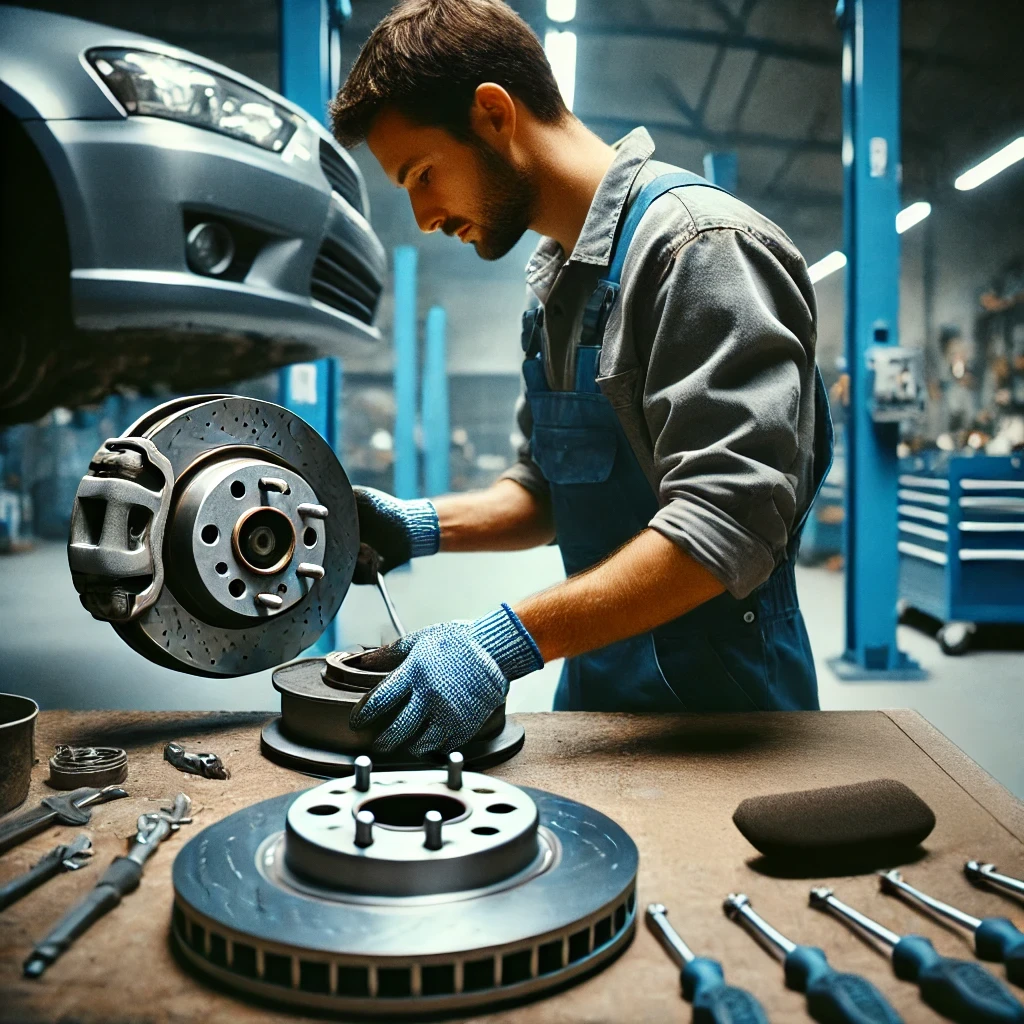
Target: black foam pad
column 869, row 824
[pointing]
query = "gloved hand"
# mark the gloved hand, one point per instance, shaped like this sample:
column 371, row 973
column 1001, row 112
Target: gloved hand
column 453, row 677
column 397, row 530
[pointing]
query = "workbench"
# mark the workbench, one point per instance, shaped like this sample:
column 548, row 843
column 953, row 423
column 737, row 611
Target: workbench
column 671, row 781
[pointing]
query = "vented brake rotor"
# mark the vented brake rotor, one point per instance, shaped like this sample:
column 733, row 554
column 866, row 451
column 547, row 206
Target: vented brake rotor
column 218, row 535
column 398, row 893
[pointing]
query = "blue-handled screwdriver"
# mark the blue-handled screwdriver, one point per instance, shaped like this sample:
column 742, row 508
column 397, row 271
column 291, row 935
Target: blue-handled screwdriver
column 959, row 989
column 995, row 938
column 702, row 980
column 832, row 997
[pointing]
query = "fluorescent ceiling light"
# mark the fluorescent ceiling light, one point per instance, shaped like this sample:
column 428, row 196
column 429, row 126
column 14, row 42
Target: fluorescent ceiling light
column 911, row 215
column 990, row 167
column 561, row 50
column 826, row 265
column 561, row 10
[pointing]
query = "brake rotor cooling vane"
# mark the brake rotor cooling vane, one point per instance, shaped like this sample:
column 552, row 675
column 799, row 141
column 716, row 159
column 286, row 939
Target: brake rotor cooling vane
column 218, row 535
column 397, row 893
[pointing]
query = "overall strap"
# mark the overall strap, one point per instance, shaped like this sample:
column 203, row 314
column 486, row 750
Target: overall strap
column 600, row 303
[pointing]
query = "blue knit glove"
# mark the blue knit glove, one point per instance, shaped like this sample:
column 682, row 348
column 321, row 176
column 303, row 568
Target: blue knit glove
column 454, row 676
column 397, row 530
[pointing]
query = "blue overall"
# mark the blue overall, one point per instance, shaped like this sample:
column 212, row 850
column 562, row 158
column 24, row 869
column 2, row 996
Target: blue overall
column 728, row 654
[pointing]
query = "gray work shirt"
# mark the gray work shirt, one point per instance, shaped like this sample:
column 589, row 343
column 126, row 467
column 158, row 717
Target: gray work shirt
column 708, row 360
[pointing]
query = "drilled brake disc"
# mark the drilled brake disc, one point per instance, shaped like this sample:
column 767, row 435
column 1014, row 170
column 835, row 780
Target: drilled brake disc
column 218, row 535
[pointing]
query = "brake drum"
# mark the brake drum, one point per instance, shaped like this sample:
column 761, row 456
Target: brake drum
column 398, row 892
column 218, row 535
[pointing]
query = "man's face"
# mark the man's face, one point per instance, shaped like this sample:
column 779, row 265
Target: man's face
column 464, row 189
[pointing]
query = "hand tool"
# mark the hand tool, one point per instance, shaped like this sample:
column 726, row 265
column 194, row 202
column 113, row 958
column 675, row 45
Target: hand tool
column 66, row 809
column 959, row 989
column 702, row 980
column 995, row 938
column 66, row 857
column 981, row 873
column 71, row 767
column 367, row 567
column 121, row 878
column 832, row 997
column 207, row 766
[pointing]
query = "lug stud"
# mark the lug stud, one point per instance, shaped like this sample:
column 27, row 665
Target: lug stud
column 364, row 829
column 455, row 762
column 308, row 510
column 432, row 829
column 363, row 770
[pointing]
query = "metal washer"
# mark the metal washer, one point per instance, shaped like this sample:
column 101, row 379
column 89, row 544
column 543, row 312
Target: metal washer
column 240, row 919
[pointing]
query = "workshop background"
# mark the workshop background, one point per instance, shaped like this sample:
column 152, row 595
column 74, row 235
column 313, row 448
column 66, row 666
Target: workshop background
column 750, row 92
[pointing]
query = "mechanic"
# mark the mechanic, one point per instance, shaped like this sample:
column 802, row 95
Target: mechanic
column 676, row 428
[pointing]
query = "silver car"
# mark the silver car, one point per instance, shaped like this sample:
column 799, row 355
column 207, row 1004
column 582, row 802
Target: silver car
column 165, row 221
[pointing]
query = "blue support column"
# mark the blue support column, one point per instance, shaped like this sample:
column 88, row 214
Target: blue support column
column 871, row 158
column 436, row 430
column 406, row 458
column 721, row 170
column 307, row 30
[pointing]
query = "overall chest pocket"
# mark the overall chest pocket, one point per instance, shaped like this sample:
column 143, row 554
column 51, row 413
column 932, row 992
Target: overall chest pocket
column 574, row 455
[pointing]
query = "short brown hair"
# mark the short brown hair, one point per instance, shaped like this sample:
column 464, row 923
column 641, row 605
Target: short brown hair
column 426, row 59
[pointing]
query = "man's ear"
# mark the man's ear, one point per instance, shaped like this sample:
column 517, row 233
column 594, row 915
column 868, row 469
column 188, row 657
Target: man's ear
column 493, row 116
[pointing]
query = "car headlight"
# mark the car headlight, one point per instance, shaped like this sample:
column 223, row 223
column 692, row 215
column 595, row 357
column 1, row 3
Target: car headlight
column 159, row 86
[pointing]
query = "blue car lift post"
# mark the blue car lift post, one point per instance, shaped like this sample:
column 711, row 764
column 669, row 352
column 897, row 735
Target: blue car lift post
column 871, row 170
column 310, row 31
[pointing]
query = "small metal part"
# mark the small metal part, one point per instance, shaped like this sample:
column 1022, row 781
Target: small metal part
column 121, row 878
column 670, row 939
column 363, row 773
column 364, row 829
column 822, row 898
column 455, row 764
column 737, row 908
column 66, row 809
column 432, row 822
column 390, row 605
column 269, row 600
column 976, row 873
column 274, row 483
column 309, row 510
column 66, row 857
column 72, row 767
column 310, row 570
column 892, row 883
column 208, row 766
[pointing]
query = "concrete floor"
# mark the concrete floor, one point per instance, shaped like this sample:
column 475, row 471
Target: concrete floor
column 51, row 650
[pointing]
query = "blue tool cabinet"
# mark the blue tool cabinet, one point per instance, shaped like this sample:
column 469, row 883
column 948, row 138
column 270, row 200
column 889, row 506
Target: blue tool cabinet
column 961, row 541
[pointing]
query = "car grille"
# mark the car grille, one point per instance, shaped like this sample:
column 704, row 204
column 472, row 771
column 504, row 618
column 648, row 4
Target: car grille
column 342, row 282
column 343, row 179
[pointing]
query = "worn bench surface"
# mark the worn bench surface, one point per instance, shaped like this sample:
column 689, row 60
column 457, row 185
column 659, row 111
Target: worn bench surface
column 672, row 782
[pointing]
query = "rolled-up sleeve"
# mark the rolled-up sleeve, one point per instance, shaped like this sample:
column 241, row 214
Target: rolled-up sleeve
column 730, row 375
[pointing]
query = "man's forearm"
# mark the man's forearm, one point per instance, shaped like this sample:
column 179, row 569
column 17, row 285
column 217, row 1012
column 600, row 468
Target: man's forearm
column 505, row 517
column 646, row 583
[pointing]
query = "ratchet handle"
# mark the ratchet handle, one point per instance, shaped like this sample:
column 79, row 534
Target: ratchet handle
column 833, row 997
column 999, row 939
column 713, row 1001
column 959, row 989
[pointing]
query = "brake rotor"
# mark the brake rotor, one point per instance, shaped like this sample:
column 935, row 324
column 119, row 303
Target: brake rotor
column 398, row 893
column 312, row 735
column 218, row 535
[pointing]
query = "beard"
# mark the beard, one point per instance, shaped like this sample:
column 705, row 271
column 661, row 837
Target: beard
column 509, row 197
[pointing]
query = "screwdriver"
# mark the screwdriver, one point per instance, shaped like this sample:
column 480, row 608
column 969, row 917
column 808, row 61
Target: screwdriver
column 995, row 938
column 959, row 989
column 832, row 997
column 702, row 980
column 976, row 873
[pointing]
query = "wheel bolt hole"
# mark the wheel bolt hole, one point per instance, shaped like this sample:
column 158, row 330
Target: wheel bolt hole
column 210, row 534
column 500, row 809
column 309, row 537
column 222, row 568
column 237, row 489
column 236, row 588
column 483, row 790
column 484, row 830
column 282, row 588
column 322, row 809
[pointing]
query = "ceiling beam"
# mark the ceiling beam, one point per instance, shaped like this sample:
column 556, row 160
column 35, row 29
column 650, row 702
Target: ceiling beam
column 622, row 125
